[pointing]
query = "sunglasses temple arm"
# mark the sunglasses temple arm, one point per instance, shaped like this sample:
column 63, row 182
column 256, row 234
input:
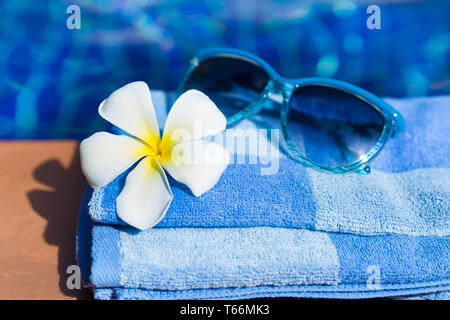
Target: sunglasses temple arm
column 252, row 109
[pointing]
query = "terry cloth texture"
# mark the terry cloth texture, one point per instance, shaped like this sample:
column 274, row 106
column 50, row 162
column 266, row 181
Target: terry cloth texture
column 407, row 191
column 238, row 263
column 297, row 233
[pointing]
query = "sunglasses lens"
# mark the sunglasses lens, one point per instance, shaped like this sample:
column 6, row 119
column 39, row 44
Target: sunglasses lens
column 231, row 83
column 331, row 127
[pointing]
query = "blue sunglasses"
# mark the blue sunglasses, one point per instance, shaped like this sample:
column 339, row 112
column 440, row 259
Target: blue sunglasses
column 327, row 124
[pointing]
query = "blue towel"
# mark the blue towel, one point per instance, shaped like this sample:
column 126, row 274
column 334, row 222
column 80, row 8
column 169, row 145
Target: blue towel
column 407, row 192
column 237, row 263
column 393, row 229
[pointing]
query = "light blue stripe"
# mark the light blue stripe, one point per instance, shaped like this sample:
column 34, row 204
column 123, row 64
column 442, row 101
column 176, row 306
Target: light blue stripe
column 413, row 202
column 196, row 258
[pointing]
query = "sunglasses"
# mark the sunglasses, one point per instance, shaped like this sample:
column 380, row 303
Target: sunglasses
column 327, row 124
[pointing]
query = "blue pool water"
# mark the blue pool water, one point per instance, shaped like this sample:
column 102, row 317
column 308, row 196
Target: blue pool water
column 53, row 78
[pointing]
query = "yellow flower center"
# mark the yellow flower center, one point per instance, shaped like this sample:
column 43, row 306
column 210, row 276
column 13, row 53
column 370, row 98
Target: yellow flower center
column 158, row 149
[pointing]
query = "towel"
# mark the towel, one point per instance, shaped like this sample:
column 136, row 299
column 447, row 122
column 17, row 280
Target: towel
column 343, row 236
column 407, row 191
column 240, row 263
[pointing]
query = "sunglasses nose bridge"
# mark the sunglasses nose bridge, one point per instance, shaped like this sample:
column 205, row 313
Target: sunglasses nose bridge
column 277, row 91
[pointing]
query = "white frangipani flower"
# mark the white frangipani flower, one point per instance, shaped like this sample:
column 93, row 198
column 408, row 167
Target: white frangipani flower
column 146, row 195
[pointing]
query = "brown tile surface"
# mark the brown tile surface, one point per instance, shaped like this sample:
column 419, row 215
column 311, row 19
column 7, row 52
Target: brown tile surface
column 41, row 188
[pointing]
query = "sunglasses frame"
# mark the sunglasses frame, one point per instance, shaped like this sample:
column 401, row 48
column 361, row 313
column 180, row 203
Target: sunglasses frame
column 278, row 85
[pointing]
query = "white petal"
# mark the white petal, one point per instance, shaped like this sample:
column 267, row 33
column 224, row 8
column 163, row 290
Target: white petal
column 104, row 156
column 146, row 196
column 192, row 116
column 198, row 164
column 131, row 109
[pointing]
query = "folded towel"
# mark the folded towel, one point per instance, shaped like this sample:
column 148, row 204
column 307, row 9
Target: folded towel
column 407, row 192
column 393, row 224
column 236, row 263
